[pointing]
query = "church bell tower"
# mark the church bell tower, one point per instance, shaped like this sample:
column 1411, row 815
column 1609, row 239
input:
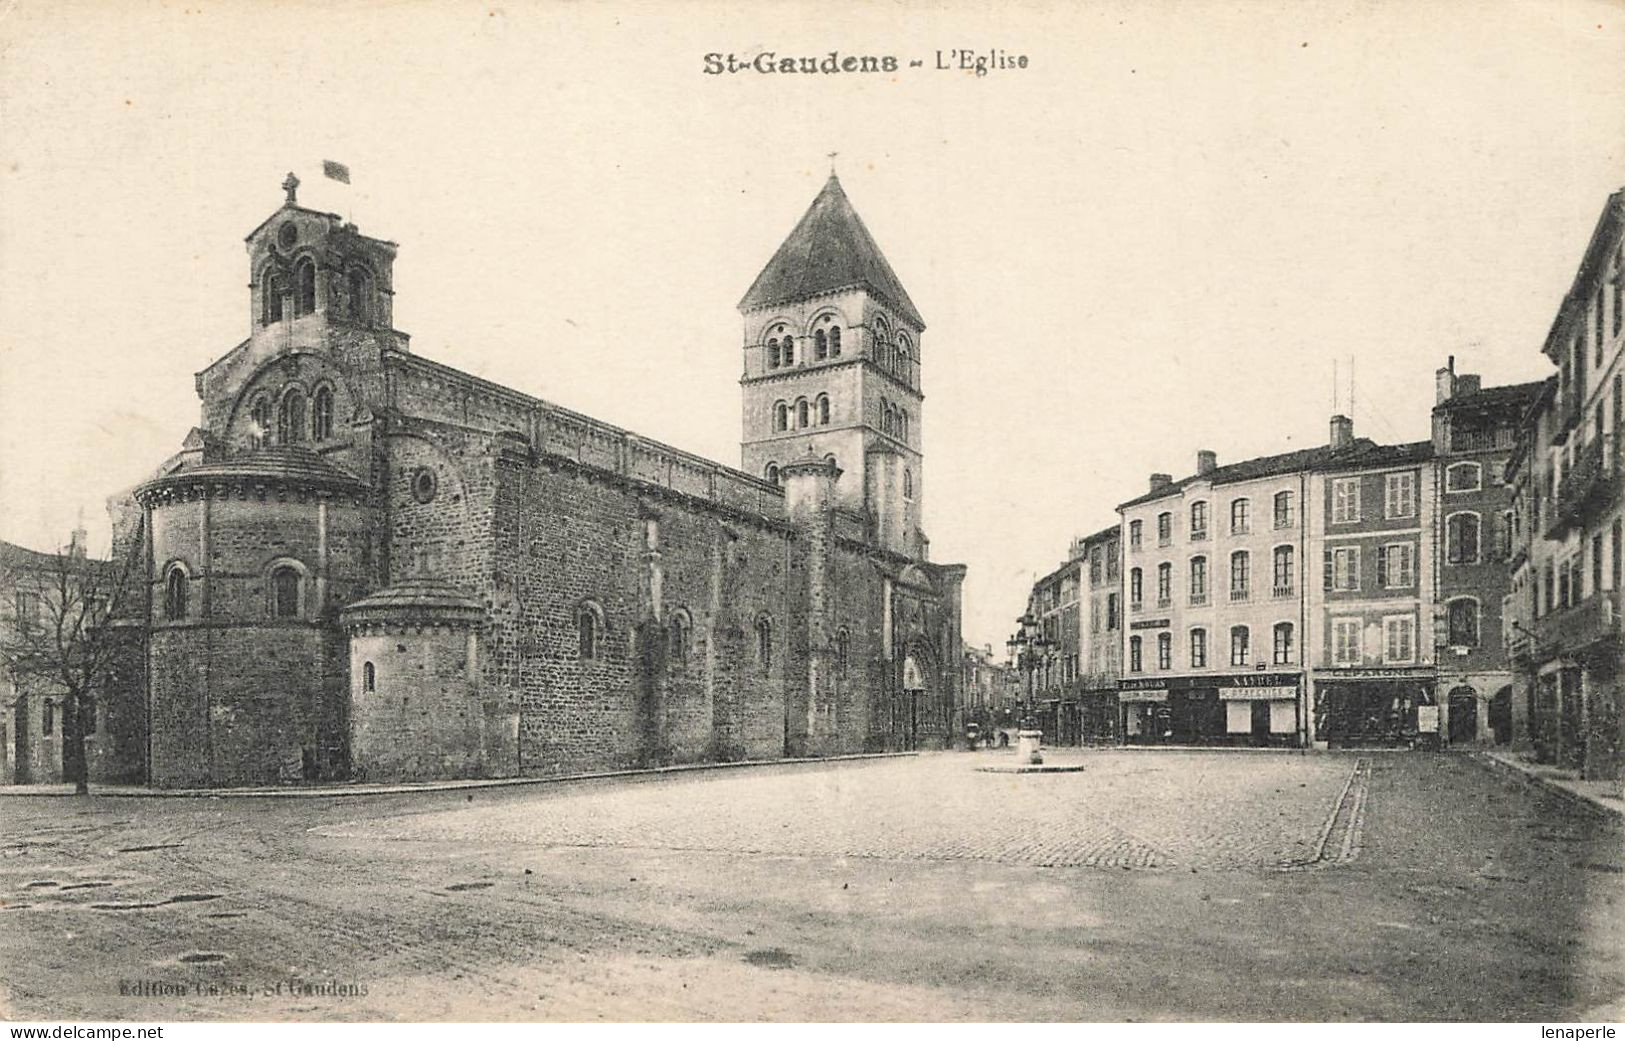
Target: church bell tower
column 832, row 370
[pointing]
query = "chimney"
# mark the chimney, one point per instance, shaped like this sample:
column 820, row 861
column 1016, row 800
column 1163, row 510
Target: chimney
column 1207, row 461
column 1161, row 481
column 1342, row 431
column 1444, row 382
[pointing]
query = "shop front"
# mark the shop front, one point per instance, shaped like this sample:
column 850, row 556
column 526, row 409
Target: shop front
column 1377, row 708
column 1251, row 709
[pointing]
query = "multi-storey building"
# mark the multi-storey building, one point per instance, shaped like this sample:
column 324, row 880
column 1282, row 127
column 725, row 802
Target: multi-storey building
column 1564, row 631
column 1215, row 568
column 1055, row 613
column 987, row 692
column 1102, row 637
column 1370, row 526
column 1474, row 429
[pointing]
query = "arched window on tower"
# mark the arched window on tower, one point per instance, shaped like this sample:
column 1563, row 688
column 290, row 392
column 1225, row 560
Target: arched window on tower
column 773, row 353
column 771, row 473
column 359, row 297
column 820, row 345
column 801, row 414
column 369, row 677
column 908, row 484
column 271, row 308
column 789, row 349
column 175, row 590
column 321, row 414
column 823, row 410
column 290, row 420
column 304, row 277
column 834, row 341
column 781, row 416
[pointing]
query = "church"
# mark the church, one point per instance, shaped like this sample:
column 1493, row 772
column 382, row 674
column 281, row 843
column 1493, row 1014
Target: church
column 366, row 565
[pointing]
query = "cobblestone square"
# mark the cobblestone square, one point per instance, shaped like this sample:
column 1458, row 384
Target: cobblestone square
column 1151, row 885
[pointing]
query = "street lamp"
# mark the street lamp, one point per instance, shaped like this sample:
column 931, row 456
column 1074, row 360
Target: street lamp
column 1028, row 646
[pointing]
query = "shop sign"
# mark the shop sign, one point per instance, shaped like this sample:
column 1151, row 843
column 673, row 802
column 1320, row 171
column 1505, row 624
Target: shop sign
column 1427, row 719
column 1244, row 679
column 1413, row 673
column 1150, row 623
column 1258, row 693
column 1142, row 695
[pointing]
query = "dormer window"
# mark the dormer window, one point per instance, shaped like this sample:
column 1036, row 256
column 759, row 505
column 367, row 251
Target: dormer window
column 304, row 277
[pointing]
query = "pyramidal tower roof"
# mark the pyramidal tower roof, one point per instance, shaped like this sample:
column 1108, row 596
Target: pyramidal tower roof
column 829, row 250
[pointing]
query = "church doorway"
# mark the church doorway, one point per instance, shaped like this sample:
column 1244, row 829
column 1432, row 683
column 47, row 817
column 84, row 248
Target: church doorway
column 907, row 705
column 1463, row 715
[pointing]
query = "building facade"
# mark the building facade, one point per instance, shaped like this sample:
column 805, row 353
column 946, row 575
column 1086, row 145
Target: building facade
column 1370, row 525
column 1568, row 510
column 1474, row 430
column 1215, row 575
column 365, row 564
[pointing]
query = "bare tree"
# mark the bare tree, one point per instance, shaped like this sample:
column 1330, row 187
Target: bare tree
column 64, row 643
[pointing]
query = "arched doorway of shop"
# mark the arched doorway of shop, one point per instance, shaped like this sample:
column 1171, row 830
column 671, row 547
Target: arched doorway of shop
column 1463, row 715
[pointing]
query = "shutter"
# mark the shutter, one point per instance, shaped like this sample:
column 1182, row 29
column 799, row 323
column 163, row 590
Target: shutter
column 1328, row 561
column 1382, row 567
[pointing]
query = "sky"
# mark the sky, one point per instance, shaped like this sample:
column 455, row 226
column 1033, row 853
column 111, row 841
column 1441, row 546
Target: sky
column 1160, row 235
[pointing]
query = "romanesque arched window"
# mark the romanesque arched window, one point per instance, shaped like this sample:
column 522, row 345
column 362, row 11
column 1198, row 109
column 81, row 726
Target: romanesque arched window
column 589, row 630
column 359, row 297
column 823, row 410
column 908, row 484
column 369, row 677
column 789, row 349
column 271, row 306
column 801, row 414
column 259, row 421
column 820, row 345
column 771, row 473
column 290, row 420
column 843, row 651
column 304, row 278
column 834, row 341
column 285, row 589
column 781, row 416
column 764, row 642
column 321, row 414
column 679, row 638
column 773, row 353
column 175, row 591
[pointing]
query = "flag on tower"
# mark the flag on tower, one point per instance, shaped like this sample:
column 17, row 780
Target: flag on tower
column 335, row 171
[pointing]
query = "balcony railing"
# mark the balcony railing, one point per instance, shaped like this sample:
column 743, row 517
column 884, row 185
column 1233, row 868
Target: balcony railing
column 1199, row 535
column 1198, row 599
column 1579, row 628
column 1591, row 485
column 1238, row 594
column 1283, row 592
column 1165, row 601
